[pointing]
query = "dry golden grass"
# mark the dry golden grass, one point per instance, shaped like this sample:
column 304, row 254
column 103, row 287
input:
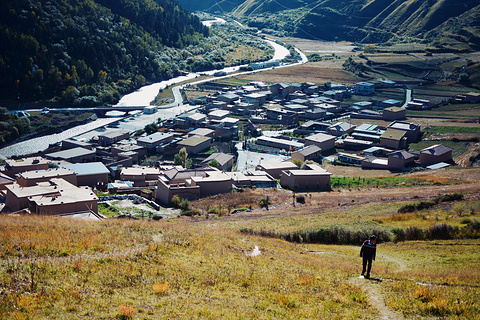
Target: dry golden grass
column 197, row 268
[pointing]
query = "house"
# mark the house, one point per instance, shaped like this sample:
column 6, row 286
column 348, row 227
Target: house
column 311, row 152
column 435, row 154
column 282, row 116
column 340, row 128
column 141, row 176
column 413, row 131
column 364, row 88
column 312, row 127
column 72, row 143
column 387, row 84
column 323, row 141
column 192, row 119
column 12, row 166
column 150, row 109
column 400, row 159
column 364, row 104
column 113, row 137
column 218, row 114
column 54, row 197
column 93, row 174
column 311, row 90
column 258, row 179
column 277, row 143
column 350, row 158
column 368, row 132
column 75, row 155
column 414, row 105
column 256, row 98
column 32, row 178
column 275, row 168
column 314, row 178
column 192, row 184
column 4, row 180
column 204, row 132
column 472, row 97
column 352, row 143
column 316, row 114
column 390, row 103
column 393, row 139
column 394, row 113
column 229, row 98
column 281, row 89
column 374, row 163
column 228, row 128
column 225, row 161
column 135, row 151
column 154, row 140
column 195, row 144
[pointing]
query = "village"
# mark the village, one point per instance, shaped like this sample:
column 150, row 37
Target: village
column 312, row 124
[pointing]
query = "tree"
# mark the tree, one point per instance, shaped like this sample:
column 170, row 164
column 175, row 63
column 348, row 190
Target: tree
column 151, row 128
column 102, row 76
column 181, row 158
column 297, row 162
column 213, row 163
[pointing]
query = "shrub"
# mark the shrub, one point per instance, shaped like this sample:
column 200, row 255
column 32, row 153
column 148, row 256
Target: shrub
column 176, row 201
column 300, row 199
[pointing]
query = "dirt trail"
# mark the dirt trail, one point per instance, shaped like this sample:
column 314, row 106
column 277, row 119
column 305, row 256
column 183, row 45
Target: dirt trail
column 376, row 298
column 372, row 287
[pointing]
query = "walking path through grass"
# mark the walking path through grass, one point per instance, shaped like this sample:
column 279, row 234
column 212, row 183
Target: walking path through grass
column 376, row 298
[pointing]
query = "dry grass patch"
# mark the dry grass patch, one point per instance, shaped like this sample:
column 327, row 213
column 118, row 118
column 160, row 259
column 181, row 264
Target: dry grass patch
column 185, row 271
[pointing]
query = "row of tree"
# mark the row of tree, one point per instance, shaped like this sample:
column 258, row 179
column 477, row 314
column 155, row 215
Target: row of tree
column 91, row 49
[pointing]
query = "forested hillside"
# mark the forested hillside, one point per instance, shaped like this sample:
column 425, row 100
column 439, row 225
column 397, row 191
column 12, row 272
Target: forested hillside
column 89, row 52
column 452, row 24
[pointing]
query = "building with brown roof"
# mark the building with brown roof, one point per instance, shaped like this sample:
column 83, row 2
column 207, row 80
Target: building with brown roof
column 394, row 113
column 32, row 178
column 113, row 137
column 321, row 140
column 275, row 168
column 400, row 159
column 4, row 180
column 311, row 152
column 75, row 155
column 393, row 139
column 153, row 140
column 225, row 161
column 435, row 154
column 313, row 178
column 195, row 144
column 93, row 174
column 54, row 197
column 340, row 128
column 141, row 176
column 192, row 184
column 12, row 167
column 413, row 131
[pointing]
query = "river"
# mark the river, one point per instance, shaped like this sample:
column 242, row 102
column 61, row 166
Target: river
column 38, row 144
column 141, row 97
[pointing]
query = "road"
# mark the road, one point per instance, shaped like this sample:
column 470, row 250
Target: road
column 408, row 98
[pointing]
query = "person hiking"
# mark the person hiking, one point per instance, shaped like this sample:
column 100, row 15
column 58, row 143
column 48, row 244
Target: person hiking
column 368, row 252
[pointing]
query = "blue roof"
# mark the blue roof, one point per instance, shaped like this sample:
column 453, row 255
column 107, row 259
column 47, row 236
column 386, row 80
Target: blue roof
column 85, row 169
column 392, row 101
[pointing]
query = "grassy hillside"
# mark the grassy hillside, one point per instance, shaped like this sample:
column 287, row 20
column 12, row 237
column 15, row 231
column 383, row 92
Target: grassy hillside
column 448, row 23
column 208, row 269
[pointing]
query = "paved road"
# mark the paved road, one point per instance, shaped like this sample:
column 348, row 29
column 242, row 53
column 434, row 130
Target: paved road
column 408, row 98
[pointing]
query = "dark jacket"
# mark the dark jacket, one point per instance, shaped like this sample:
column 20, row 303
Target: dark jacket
column 368, row 249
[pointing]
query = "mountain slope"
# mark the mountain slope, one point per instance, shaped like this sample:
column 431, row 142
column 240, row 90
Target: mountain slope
column 87, row 50
column 367, row 20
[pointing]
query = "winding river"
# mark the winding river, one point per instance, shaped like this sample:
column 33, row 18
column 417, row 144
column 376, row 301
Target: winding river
column 141, row 97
